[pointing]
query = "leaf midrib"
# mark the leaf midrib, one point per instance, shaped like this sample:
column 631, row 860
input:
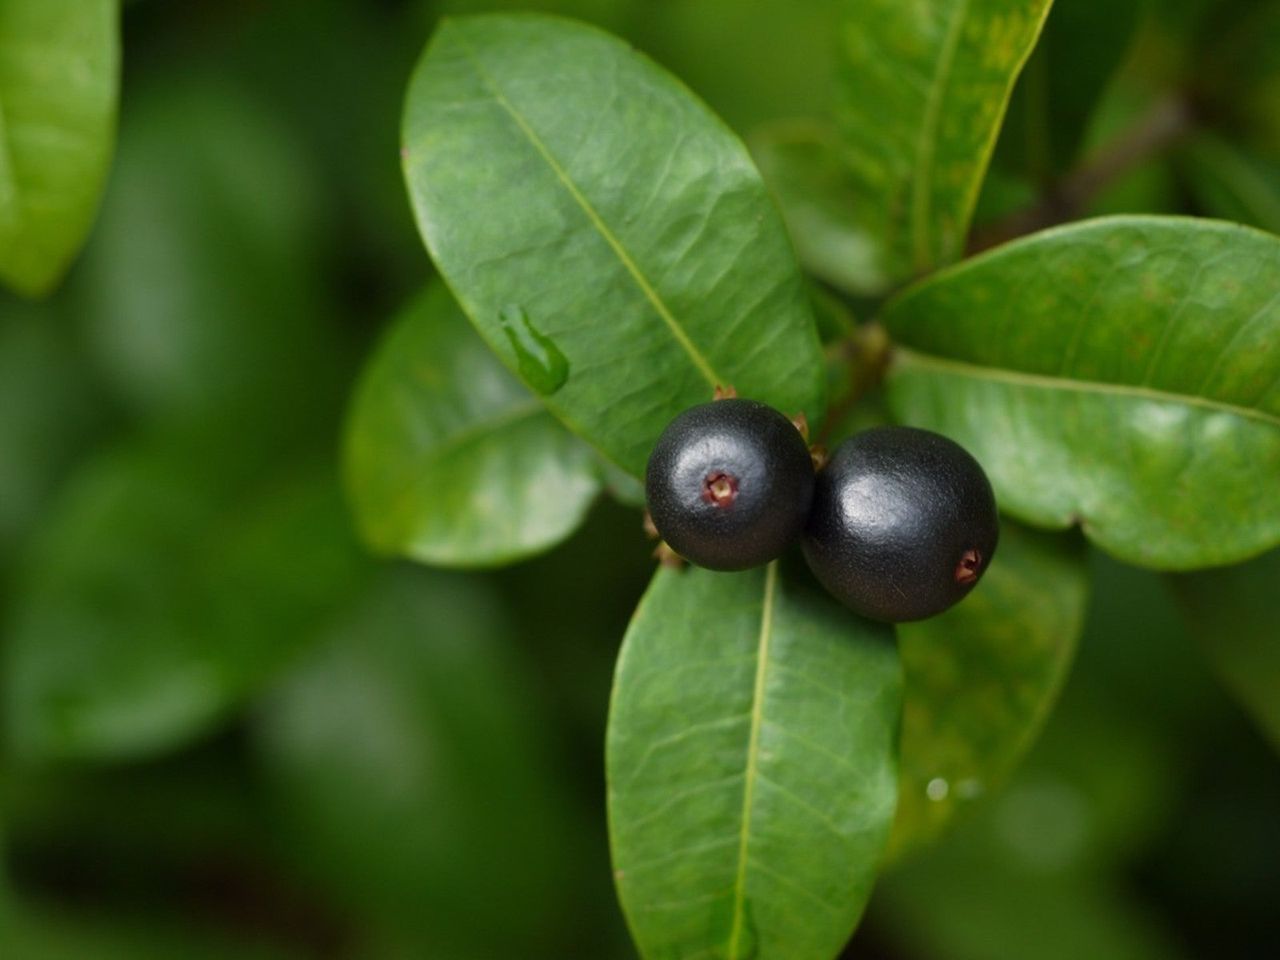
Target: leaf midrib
column 906, row 356
column 402, row 501
column 753, row 758
column 9, row 176
column 651, row 295
column 475, row 431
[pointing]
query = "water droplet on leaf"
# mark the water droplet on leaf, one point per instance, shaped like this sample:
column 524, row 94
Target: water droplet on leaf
column 937, row 789
column 539, row 360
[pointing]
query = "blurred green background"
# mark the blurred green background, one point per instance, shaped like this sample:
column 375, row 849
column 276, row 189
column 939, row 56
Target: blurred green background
column 230, row 732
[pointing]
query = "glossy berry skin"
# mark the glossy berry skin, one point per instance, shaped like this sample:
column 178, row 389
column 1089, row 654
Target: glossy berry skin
column 903, row 524
column 729, row 484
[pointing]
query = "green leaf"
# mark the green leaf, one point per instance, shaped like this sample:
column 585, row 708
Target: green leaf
column 924, row 90
column 409, row 767
column 752, row 765
column 981, row 678
column 1119, row 373
column 1231, row 182
column 622, row 486
column 48, row 408
column 607, row 235
column 801, row 162
column 449, row 459
column 59, row 73
column 200, row 285
column 753, row 64
column 166, row 586
column 360, row 55
column 1232, row 612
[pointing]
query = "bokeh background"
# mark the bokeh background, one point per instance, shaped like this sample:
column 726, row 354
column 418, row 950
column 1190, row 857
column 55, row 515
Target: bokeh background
column 229, row 731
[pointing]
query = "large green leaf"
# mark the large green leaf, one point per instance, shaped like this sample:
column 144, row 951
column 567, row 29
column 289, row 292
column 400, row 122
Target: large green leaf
column 1232, row 612
column 449, row 459
column 201, row 286
column 772, row 58
column 608, row 235
column 924, row 90
column 59, row 73
column 409, row 765
column 1119, row 373
column 48, row 407
column 752, row 764
column 981, row 678
column 168, row 585
column 801, row 162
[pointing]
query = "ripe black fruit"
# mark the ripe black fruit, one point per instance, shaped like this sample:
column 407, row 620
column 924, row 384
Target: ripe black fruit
column 903, row 524
column 729, row 484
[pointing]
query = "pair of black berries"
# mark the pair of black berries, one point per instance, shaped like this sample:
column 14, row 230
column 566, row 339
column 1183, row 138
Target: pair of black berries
column 898, row 525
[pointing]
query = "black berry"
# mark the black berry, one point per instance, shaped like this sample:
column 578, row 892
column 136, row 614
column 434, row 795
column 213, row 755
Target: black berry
column 903, row 524
column 729, row 484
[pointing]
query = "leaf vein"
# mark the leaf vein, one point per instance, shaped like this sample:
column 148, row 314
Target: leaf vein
column 1045, row 382
column 651, row 862
column 812, row 681
column 1171, row 324
column 815, row 746
column 693, row 730
column 753, row 759
column 655, row 300
column 805, row 805
column 799, row 888
column 1240, row 330
column 682, row 795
